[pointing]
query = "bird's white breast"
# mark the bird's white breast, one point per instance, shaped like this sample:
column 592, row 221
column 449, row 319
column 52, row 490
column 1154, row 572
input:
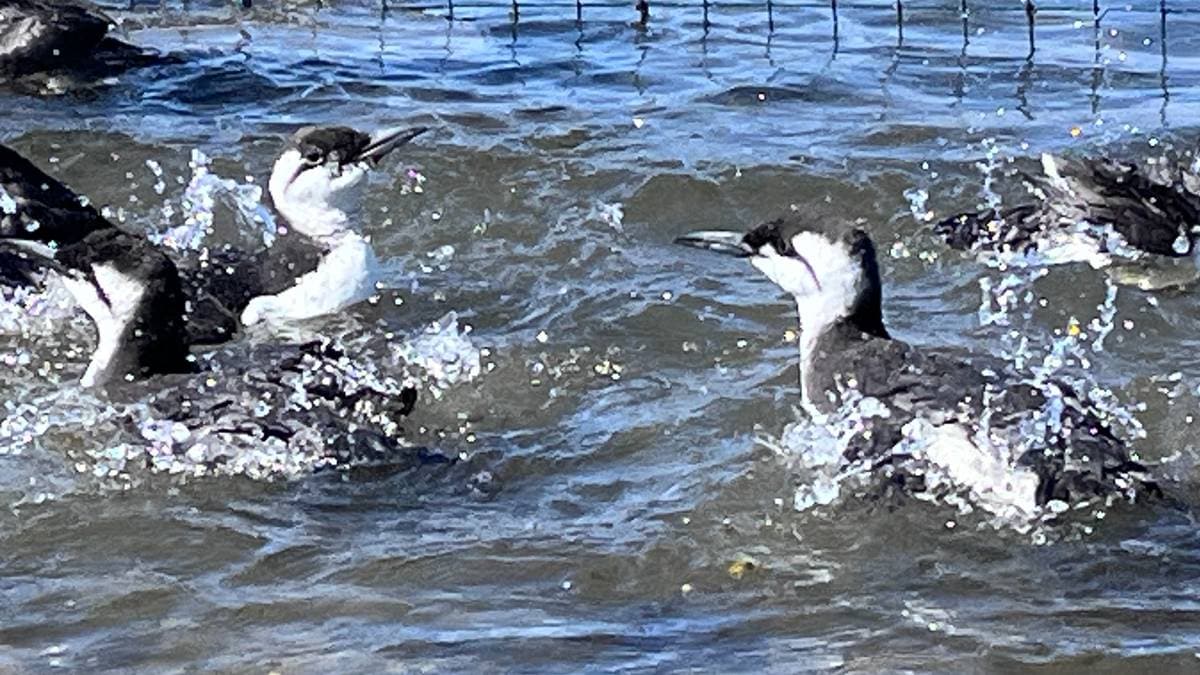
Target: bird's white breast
column 124, row 294
column 344, row 277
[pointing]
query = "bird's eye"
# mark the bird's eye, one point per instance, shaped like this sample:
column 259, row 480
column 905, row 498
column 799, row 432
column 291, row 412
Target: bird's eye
column 313, row 156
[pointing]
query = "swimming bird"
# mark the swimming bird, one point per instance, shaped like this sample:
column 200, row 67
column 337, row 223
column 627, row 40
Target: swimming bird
column 953, row 410
column 1090, row 209
column 40, row 37
column 321, row 265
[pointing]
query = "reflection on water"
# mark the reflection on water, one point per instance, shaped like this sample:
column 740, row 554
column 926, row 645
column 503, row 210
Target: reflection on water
column 613, row 507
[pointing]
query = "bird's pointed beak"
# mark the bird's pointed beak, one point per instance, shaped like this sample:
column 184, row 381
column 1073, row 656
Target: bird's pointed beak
column 727, row 243
column 43, row 252
column 385, row 141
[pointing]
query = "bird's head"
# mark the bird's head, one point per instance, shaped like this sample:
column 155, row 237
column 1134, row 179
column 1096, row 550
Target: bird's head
column 316, row 183
column 831, row 271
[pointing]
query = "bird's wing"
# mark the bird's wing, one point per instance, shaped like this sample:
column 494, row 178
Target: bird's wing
column 911, row 383
column 1149, row 206
column 1070, row 443
column 1153, row 206
column 909, row 379
column 220, row 286
column 957, row 395
column 36, row 206
column 1006, row 229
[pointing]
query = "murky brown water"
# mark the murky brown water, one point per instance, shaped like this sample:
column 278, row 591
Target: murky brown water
column 631, row 377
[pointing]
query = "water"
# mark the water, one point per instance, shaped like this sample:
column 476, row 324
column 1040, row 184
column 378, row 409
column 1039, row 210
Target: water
column 629, row 393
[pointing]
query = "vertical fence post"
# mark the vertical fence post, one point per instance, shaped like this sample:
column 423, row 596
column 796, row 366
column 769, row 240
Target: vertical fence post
column 706, row 23
column 1162, row 26
column 578, row 11
column 770, row 16
column 1162, row 41
column 833, row 9
column 449, row 10
column 516, row 12
column 966, row 22
column 900, row 21
column 1030, row 13
column 1162, row 72
column 643, row 8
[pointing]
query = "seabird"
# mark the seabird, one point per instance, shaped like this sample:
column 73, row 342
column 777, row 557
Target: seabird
column 1090, row 209
column 320, row 265
column 316, row 186
column 47, row 37
column 943, row 406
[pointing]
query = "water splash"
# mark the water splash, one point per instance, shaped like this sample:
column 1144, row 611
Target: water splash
column 990, row 167
column 203, row 192
column 918, row 204
column 443, row 355
column 28, row 311
column 813, row 449
column 327, row 410
column 8, row 205
column 612, row 215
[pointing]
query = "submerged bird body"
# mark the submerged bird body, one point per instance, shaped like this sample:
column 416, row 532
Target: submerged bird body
column 1116, row 207
column 314, row 406
column 950, row 410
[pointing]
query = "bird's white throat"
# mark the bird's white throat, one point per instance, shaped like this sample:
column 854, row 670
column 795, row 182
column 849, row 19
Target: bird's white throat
column 824, row 283
column 816, row 315
column 321, row 202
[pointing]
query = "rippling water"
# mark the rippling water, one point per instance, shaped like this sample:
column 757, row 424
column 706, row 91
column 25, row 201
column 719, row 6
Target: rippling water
column 639, row 522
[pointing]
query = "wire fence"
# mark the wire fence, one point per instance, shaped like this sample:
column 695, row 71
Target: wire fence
column 642, row 12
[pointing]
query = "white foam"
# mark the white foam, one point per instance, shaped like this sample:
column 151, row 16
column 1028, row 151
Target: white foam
column 443, row 353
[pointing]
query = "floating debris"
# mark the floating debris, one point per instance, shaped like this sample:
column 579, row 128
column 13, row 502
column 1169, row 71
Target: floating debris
column 743, row 566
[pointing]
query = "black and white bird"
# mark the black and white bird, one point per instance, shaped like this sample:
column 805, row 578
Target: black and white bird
column 147, row 309
column 51, row 37
column 316, row 187
column 953, row 410
column 1091, row 210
